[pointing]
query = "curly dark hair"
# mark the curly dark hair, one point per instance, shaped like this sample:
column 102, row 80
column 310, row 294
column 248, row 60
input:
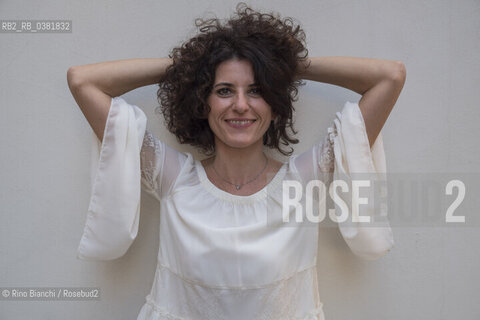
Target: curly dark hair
column 273, row 46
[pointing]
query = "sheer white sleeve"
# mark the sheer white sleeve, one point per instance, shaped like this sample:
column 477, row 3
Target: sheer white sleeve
column 345, row 155
column 160, row 166
column 127, row 159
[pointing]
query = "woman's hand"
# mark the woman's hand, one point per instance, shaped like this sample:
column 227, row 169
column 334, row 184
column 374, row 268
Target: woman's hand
column 302, row 68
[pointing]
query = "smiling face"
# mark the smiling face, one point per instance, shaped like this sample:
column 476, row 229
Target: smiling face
column 239, row 117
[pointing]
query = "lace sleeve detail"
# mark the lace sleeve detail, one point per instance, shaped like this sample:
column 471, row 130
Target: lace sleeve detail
column 151, row 159
column 317, row 162
column 326, row 157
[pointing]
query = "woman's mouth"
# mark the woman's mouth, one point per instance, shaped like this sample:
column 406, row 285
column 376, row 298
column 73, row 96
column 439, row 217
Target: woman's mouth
column 240, row 124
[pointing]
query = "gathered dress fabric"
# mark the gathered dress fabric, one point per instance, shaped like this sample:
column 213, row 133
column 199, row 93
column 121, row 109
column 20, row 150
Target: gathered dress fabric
column 223, row 256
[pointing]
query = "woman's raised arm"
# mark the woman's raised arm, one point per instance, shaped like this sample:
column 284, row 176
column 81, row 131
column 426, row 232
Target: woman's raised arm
column 378, row 81
column 93, row 85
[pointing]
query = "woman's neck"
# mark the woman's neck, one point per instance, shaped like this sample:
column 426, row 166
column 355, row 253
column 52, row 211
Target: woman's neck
column 238, row 165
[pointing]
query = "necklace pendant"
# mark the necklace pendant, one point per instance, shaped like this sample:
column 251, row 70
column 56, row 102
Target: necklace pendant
column 237, row 186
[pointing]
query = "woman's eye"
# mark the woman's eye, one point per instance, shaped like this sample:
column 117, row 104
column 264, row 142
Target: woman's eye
column 221, row 91
column 224, row 91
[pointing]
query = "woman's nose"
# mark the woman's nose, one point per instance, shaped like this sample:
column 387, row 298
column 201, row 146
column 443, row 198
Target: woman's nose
column 241, row 103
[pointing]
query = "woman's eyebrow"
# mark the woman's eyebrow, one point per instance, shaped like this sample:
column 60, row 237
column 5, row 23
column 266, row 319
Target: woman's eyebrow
column 228, row 84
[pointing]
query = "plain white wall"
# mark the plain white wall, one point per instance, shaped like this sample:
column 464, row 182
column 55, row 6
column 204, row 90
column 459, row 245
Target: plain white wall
column 432, row 272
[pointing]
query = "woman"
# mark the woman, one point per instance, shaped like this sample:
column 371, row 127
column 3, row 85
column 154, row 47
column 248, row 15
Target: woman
column 225, row 252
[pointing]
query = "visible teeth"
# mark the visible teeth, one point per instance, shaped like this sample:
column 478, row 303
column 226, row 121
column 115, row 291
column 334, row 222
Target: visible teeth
column 240, row 122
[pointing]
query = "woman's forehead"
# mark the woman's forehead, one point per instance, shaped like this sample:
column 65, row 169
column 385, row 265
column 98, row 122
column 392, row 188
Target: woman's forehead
column 235, row 70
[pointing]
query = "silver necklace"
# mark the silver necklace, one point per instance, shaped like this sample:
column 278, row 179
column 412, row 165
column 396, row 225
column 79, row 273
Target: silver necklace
column 238, row 186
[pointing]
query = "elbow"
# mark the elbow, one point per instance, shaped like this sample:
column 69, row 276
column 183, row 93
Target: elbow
column 73, row 78
column 398, row 73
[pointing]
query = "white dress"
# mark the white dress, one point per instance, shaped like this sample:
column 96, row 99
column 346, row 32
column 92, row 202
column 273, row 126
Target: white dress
column 222, row 256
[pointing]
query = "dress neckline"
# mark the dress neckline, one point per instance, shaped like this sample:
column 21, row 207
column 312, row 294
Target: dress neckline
column 261, row 194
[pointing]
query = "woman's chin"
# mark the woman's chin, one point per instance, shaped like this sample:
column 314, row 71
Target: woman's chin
column 240, row 144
